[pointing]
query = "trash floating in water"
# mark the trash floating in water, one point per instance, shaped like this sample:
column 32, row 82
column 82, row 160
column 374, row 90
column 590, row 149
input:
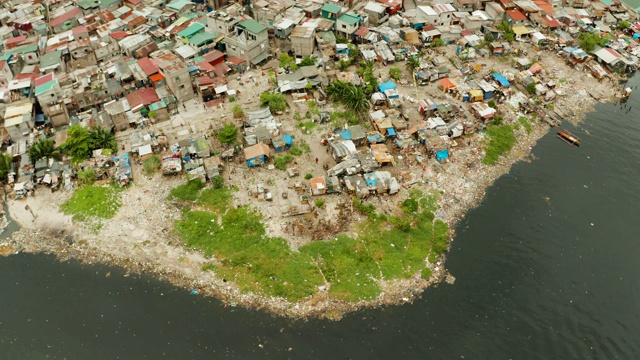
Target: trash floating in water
column 193, row 292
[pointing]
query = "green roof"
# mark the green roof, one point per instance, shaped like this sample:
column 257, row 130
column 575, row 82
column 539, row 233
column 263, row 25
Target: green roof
column 349, row 19
column 198, row 59
column 88, row 4
column 107, row 3
column 331, row 8
column 45, row 87
column 50, row 59
column 22, row 50
column 252, row 26
column 177, row 5
column 200, row 38
column 191, row 30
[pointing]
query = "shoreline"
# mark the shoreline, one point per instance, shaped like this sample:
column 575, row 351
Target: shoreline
column 142, row 251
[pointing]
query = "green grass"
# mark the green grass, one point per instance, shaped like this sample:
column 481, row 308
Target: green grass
column 501, row 140
column 307, row 126
column 217, row 200
column 152, row 164
column 385, row 249
column 187, row 192
column 281, row 161
column 295, row 150
column 525, row 123
column 90, row 201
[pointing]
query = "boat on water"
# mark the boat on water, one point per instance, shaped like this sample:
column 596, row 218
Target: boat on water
column 568, row 137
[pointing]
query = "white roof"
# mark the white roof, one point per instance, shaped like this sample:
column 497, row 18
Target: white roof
column 19, row 84
column 221, row 89
column 284, row 24
column 428, row 10
column 186, row 51
column 18, row 109
column 375, row 7
column 145, row 150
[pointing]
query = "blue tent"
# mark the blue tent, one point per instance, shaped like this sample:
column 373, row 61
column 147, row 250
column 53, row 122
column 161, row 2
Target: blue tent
column 391, row 131
column 389, row 85
column 501, row 79
column 288, row 140
column 442, row 155
column 345, row 134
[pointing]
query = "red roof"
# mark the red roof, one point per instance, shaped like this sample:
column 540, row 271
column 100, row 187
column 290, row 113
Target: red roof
column 15, row 40
column 79, row 30
column 545, row 6
column 44, row 79
column 221, row 69
column 516, row 15
column 466, row 32
column 362, row 31
column 205, row 66
column 552, row 21
column 147, row 66
column 134, row 2
column 214, row 57
column 204, row 80
column 71, row 14
column 31, row 76
column 236, row 60
column 142, row 97
column 119, row 35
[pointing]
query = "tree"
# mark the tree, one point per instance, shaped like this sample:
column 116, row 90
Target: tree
column 356, row 100
column 308, row 61
column 413, row 63
column 507, row 31
column 589, row 40
column 237, row 111
column 437, row 42
column 79, row 143
column 43, row 148
column 103, row 139
column 228, row 135
column 531, row 88
column 286, row 60
column 275, row 101
column 5, row 165
column 624, row 25
column 395, row 73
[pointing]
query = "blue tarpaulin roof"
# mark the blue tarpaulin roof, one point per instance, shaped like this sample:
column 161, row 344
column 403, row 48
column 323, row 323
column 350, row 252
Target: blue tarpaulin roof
column 345, row 134
column 391, row 131
column 374, row 138
column 288, row 139
column 501, row 79
column 442, row 154
column 389, row 85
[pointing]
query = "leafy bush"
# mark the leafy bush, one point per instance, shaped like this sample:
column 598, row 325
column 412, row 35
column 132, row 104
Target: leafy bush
column 295, row 151
column 275, row 101
column 491, row 104
column 319, row 203
column 217, row 182
column 188, row 191
column 228, row 135
column 152, row 164
column 308, row 176
column 237, row 111
column 395, row 73
column 86, row 176
column 281, row 161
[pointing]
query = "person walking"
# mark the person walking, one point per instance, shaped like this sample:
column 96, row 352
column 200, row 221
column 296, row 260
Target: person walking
column 316, row 161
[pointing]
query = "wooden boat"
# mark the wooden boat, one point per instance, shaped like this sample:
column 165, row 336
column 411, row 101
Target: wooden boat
column 568, row 137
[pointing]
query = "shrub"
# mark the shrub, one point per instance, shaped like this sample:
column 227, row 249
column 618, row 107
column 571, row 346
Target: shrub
column 228, row 135
column 275, row 101
column 492, row 104
column 281, row 161
column 308, row 176
column 237, row 111
column 395, row 73
column 86, row 176
column 152, row 164
column 295, row 151
column 319, row 203
column 217, row 182
column 188, row 191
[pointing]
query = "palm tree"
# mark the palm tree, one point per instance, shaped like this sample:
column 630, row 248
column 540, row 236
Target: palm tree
column 103, row 138
column 43, row 148
column 413, row 63
column 356, row 100
column 5, row 165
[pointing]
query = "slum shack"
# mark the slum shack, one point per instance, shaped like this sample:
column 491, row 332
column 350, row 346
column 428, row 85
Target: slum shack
column 340, row 149
column 213, row 166
column 381, row 182
column 325, row 185
column 257, row 154
column 171, row 165
column 381, row 154
column 122, row 169
column 357, row 185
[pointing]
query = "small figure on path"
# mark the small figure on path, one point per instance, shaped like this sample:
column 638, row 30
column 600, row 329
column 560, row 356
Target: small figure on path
column 316, row 160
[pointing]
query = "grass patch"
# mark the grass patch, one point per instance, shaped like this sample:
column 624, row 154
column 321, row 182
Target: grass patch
column 295, row 150
column 187, row 192
column 92, row 201
column 152, row 164
column 386, row 249
column 501, row 140
column 307, row 126
column 281, row 161
column 525, row 123
column 217, row 200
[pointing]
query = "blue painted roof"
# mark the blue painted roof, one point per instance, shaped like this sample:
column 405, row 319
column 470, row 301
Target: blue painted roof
column 345, row 134
column 501, row 79
column 389, row 85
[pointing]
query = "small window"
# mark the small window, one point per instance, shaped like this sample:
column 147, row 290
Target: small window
column 177, row 78
column 344, row 26
column 181, row 86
